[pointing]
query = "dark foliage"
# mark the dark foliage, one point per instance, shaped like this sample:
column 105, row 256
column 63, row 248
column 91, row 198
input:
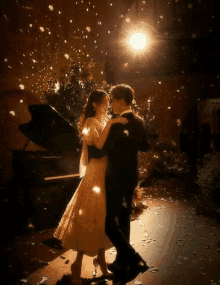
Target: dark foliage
column 68, row 94
column 208, row 177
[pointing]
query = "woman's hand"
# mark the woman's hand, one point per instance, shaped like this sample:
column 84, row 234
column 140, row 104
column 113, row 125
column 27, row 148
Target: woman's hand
column 121, row 120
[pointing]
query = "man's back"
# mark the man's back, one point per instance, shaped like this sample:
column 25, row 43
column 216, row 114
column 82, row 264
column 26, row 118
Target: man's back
column 122, row 146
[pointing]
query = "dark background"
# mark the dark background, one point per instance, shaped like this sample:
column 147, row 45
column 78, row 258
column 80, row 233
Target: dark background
column 178, row 69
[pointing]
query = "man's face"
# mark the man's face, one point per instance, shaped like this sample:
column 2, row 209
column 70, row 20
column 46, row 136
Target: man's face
column 116, row 106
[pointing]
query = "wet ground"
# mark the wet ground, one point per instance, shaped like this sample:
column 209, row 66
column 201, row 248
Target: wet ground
column 180, row 246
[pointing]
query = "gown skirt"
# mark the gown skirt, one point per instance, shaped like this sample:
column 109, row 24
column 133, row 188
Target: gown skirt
column 82, row 226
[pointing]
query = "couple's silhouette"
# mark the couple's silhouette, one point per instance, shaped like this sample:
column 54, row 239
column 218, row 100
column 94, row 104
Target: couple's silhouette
column 109, row 171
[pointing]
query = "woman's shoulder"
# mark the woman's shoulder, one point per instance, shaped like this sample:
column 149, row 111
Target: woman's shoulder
column 91, row 121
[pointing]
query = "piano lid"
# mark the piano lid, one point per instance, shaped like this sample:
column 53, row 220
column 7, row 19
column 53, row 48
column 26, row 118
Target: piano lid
column 50, row 130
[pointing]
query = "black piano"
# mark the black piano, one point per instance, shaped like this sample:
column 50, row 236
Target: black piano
column 57, row 165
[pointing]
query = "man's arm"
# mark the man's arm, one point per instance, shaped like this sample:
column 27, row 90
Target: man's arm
column 143, row 143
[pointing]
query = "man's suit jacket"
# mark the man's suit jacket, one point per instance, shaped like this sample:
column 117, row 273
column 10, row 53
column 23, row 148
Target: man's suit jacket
column 122, row 145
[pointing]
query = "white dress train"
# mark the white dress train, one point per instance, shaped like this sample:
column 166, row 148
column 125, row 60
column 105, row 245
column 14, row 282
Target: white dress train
column 82, row 226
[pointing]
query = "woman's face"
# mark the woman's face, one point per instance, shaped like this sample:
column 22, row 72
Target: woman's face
column 102, row 108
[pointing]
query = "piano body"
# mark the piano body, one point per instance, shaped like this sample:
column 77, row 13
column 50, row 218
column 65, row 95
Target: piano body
column 57, row 165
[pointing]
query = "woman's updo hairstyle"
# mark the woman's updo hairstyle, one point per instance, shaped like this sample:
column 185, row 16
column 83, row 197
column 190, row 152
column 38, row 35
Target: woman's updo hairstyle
column 96, row 96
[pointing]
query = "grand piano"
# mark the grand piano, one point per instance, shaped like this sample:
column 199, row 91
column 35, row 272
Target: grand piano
column 57, row 165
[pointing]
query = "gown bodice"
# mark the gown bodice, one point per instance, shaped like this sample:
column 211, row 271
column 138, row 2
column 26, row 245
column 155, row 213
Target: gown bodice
column 92, row 128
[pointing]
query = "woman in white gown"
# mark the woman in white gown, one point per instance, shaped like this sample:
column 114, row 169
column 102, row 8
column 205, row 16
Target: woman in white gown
column 82, row 226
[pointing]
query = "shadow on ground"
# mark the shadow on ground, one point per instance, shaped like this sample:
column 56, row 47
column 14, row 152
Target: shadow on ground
column 23, row 244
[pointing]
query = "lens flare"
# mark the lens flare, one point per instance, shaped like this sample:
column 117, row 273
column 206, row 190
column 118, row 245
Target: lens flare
column 138, row 41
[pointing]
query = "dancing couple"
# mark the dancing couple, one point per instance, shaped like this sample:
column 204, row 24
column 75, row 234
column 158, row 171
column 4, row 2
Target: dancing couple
column 108, row 167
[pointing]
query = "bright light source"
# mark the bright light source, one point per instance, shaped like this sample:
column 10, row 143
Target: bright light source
column 96, row 189
column 138, row 41
column 85, row 131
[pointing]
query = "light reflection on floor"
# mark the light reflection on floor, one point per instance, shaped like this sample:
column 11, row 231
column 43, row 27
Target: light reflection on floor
column 168, row 238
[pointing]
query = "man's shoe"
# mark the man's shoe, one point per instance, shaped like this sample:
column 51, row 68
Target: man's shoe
column 113, row 267
column 136, row 266
column 120, row 276
column 133, row 272
column 137, row 260
column 118, row 282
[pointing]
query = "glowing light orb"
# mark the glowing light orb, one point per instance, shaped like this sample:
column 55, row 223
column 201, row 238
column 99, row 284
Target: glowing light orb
column 85, row 131
column 56, row 86
column 138, row 41
column 96, row 189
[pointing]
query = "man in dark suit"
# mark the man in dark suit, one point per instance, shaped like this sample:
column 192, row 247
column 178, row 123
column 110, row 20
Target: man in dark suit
column 122, row 146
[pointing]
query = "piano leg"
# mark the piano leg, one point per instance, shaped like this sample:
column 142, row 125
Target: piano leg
column 22, row 204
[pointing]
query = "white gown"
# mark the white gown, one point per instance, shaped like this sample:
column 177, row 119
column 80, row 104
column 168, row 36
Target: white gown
column 82, row 226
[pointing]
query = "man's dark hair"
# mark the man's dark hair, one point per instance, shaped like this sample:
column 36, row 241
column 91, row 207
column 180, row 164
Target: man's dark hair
column 123, row 91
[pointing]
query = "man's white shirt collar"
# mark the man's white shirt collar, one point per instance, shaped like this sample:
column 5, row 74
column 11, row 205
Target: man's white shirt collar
column 125, row 112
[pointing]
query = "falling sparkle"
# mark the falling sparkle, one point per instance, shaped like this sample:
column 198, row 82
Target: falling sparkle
column 42, row 29
column 12, row 113
column 96, row 189
column 21, row 86
column 56, row 86
column 51, row 7
column 85, row 131
column 178, row 122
